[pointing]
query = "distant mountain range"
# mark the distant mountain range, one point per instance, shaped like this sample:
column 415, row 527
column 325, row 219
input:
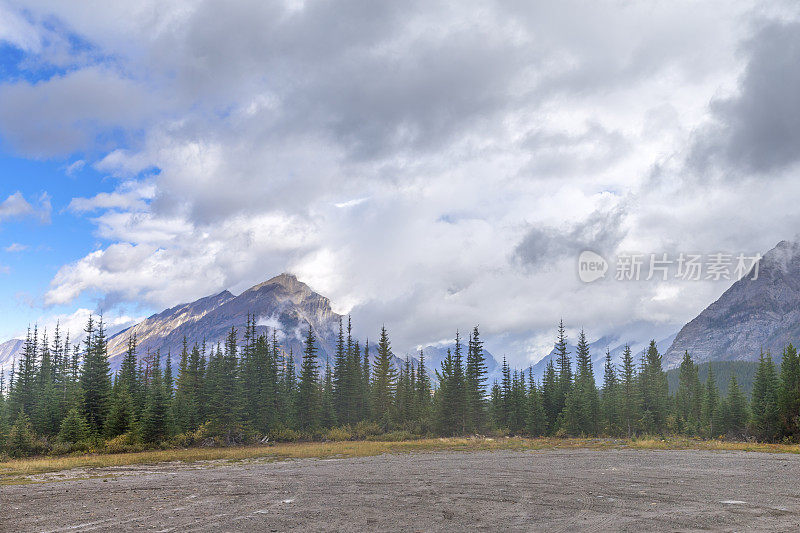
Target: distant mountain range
column 752, row 314
column 597, row 349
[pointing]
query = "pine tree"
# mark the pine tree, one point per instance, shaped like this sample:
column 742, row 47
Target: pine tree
column 506, row 386
column 328, row 412
column 689, row 395
column 564, row 368
column 475, row 375
column 74, row 428
column 446, row 398
column 423, row 391
column 711, row 405
column 366, row 385
column 551, row 393
column 610, row 398
column 789, row 392
column 21, row 439
column 536, row 422
column 95, row 378
column 384, row 381
column 23, row 392
column 583, row 403
column 654, row 390
column 341, row 377
column 308, row 397
column 737, row 412
column 155, row 418
column 224, row 391
column 764, row 403
column 629, row 394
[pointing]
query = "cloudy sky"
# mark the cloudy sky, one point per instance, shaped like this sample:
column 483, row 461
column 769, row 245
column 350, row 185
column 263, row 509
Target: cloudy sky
column 425, row 165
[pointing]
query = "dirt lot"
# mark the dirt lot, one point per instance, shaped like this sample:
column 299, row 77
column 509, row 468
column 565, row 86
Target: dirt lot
column 547, row 490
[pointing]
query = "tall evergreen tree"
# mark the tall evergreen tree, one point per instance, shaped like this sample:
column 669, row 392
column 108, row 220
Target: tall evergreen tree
column 610, row 399
column 308, row 396
column 583, row 404
column 95, row 377
column 689, row 395
column 789, row 392
column 629, row 394
column 475, row 375
column 384, row 381
column 551, row 394
column 654, row 390
column 536, row 422
column 766, row 420
column 737, row 412
column 564, row 367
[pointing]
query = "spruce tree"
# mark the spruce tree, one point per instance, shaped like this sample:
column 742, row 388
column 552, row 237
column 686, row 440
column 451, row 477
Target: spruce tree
column 475, row 375
column 536, row 425
column 155, row 418
column 737, row 412
column 629, row 394
column 564, row 368
column 423, row 390
column 384, row 381
column 610, row 398
column 328, row 411
column 789, row 392
column 308, row 395
column 95, row 378
column 74, row 428
column 654, row 390
column 551, row 394
column 711, row 406
column 583, row 404
column 764, row 403
column 689, row 395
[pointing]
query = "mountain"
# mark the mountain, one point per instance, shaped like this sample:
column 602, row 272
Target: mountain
column 434, row 355
column 745, row 372
column 9, row 351
column 752, row 314
column 597, row 350
column 282, row 302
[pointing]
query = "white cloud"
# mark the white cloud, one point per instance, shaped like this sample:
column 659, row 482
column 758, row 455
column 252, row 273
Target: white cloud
column 16, row 247
column 16, row 206
column 427, row 166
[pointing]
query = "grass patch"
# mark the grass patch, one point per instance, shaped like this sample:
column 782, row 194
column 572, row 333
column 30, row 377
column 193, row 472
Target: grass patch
column 13, row 471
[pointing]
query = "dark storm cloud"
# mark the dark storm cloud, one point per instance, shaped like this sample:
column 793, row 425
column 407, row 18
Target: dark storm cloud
column 758, row 130
column 543, row 246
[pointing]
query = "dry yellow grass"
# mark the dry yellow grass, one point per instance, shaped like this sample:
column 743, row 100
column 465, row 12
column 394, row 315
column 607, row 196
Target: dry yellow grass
column 13, row 470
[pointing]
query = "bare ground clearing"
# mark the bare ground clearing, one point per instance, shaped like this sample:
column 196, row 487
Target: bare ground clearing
column 535, row 490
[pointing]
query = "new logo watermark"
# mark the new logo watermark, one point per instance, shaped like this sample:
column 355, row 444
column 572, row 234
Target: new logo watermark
column 591, row 266
column 661, row 266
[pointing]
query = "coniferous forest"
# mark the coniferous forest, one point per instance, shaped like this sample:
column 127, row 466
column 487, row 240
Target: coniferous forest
column 64, row 398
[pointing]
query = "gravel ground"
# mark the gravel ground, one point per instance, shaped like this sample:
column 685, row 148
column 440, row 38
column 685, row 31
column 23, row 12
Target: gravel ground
column 553, row 490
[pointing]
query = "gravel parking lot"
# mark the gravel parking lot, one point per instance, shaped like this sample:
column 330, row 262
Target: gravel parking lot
column 549, row 490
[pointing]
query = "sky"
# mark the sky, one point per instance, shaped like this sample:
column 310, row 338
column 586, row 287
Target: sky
column 426, row 165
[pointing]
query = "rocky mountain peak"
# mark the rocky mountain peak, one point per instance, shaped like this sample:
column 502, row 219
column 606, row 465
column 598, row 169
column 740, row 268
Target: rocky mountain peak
column 752, row 314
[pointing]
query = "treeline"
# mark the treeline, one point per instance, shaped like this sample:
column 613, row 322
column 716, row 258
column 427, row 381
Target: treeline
column 63, row 398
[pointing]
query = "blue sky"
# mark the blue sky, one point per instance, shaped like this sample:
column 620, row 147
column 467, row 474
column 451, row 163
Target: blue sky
column 427, row 166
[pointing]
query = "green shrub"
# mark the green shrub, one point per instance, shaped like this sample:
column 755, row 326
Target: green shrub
column 393, row 436
column 21, row 438
column 363, row 429
column 339, row 434
column 74, row 428
column 288, row 435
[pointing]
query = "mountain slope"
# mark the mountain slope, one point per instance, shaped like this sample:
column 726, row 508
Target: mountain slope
column 752, row 314
column 282, row 302
column 597, row 350
column 9, row 351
